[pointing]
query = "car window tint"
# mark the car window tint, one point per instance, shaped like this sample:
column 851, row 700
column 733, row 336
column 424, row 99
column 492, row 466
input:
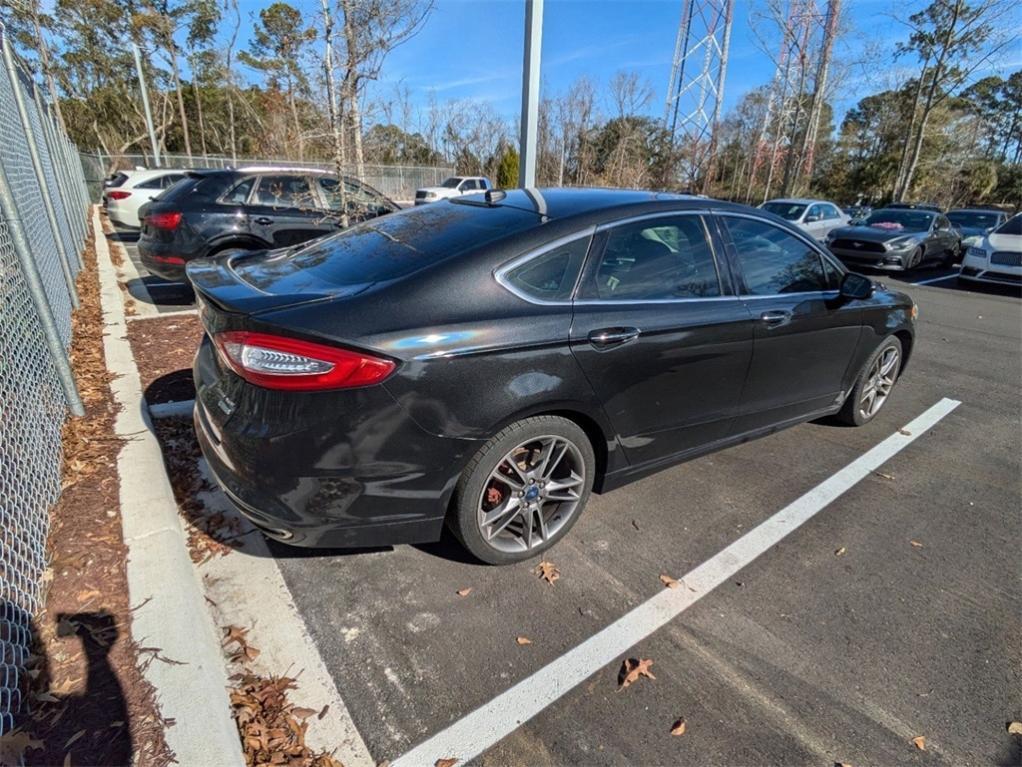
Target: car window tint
column 833, row 275
column 661, row 258
column 356, row 194
column 816, row 211
column 152, row 183
column 169, row 181
column 239, row 195
column 774, row 261
column 831, row 211
column 285, row 192
column 550, row 276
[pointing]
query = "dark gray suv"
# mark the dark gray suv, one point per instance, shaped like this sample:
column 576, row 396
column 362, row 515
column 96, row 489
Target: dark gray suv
column 217, row 211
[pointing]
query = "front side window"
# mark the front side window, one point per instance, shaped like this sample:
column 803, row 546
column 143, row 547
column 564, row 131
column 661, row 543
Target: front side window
column 550, row 276
column 356, row 194
column 831, row 211
column 451, row 183
column 656, row 259
column 774, row 261
column 285, row 192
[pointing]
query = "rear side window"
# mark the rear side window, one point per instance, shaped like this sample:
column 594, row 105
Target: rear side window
column 239, row 195
column 285, row 192
column 208, row 186
column 152, row 183
column 656, row 259
column 774, row 261
column 385, row 248
column 550, row 276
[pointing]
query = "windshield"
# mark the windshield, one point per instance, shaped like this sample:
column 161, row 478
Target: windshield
column 1012, row 226
column 973, row 219
column 790, row 211
column 452, row 182
column 901, row 220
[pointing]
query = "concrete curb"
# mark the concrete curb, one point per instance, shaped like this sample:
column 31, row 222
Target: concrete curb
column 171, row 614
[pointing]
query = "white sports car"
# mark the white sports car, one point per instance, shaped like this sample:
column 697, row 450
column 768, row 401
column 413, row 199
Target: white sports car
column 997, row 257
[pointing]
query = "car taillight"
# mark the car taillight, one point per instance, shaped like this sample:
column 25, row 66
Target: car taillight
column 118, row 195
column 163, row 220
column 278, row 362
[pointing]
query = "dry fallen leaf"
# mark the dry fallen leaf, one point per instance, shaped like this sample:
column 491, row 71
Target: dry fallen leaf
column 919, row 742
column 916, row 544
column 840, row 552
column 884, row 476
column 445, row 763
column 13, row 745
column 302, row 713
column 632, row 669
column 464, row 592
column 668, row 581
column 73, row 738
column 679, row 727
column 547, row 571
column 906, row 432
column 234, row 634
column 523, row 640
column 1015, row 728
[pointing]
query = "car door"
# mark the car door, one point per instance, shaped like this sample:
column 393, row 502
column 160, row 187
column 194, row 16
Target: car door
column 816, row 225
column 945, row 237
column 660, row 335
column 285, row 210
column 805, row 333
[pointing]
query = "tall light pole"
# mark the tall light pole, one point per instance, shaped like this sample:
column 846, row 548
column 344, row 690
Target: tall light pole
column 145, row 104
column 530, row 93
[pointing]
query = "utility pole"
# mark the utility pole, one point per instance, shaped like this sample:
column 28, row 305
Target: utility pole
column 530, row 93
column 145, row 104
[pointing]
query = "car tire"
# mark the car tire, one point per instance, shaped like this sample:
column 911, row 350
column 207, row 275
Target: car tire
column 531, row 522
column 916, row 259
column 856, row 411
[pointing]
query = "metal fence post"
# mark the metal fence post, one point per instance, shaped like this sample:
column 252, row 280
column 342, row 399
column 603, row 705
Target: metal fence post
column 63, row 185
column 33, row 150
column 35, row 289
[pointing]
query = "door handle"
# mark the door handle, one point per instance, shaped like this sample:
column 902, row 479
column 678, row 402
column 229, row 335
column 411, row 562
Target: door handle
column 608, row 338
column 264, row 220
column 775, row 317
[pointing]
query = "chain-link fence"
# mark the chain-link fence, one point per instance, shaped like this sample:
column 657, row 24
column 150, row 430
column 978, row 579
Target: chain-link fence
column 398, row 182
column 43, row 224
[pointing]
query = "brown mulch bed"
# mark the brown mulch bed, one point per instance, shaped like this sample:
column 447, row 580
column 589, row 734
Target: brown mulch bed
column 90, row 703
column 164, row 348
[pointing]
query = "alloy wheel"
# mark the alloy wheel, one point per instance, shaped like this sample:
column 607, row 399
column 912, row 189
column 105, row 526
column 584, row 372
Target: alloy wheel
column 532, row 492
column 879, row 382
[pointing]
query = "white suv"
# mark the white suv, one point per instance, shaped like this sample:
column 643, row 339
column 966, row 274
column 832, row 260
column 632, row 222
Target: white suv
column 455, row 186
column 814, row 217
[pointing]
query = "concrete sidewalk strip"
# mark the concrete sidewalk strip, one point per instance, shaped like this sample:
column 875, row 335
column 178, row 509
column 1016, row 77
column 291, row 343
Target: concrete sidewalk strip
column 170, row 612
column 246, row 589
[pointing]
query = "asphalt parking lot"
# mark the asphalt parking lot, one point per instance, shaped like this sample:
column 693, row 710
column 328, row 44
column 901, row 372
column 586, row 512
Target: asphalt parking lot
column 892, row 613
column 153, row 295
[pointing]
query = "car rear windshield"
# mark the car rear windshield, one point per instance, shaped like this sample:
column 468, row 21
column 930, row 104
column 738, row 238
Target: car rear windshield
column 209, row 186
column 974, row 219
column 790, row 211
column 384, row 248
column 901, row 219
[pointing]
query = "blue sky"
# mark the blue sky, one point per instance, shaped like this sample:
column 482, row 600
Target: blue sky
column 472, row 49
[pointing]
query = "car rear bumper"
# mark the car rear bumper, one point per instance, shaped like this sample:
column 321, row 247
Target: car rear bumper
column 366, row 475
column 163, row 259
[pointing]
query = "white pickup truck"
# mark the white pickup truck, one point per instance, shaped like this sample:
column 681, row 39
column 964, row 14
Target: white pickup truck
column 455, row 186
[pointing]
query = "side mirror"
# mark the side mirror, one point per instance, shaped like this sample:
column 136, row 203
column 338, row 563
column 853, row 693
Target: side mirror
column 813, row 218
column 855, row 286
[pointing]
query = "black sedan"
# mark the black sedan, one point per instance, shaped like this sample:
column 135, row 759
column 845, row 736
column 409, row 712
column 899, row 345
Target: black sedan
column 489, row 361
column 897, row 239
column 232, row 211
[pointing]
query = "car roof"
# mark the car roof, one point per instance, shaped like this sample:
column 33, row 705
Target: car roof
column 563, row 203
column 145, row 175
column 799, row 200
column 977, row 210
column 278, row 169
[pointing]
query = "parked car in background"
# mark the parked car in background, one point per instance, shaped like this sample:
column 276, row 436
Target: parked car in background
column 976, row 222
column 997, row 257
column 898, row 239
column 116, row 179
column 815, row 217
column 533, row 348
column 857, row 213
column 455, row 186
column 216, row 211
column 916, row 205
column 124, row 200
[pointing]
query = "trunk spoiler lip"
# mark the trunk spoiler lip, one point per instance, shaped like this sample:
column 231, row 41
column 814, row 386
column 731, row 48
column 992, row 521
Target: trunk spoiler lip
column 238, row 296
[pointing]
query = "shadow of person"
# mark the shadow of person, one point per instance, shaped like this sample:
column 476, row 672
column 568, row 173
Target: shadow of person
column 101, row 709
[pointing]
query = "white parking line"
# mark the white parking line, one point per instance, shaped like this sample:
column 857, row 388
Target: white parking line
column 936, row 279
column 474, row 733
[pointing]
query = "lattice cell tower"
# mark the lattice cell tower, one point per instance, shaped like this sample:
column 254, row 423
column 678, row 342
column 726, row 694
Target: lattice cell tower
column 696, row 90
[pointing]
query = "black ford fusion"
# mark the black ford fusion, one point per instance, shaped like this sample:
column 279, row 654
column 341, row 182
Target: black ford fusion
column 897, row 239
column 490, row 360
